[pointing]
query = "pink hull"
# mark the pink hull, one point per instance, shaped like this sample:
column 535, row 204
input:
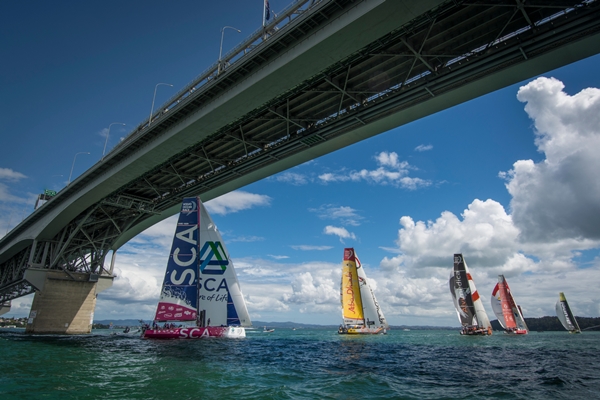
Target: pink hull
column 194, row 333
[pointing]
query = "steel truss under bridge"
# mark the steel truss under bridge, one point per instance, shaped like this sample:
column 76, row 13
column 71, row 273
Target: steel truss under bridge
column 451, row 46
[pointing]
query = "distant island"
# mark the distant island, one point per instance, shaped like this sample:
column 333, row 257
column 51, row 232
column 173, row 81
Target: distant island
column 543, row 324
column 122, row 323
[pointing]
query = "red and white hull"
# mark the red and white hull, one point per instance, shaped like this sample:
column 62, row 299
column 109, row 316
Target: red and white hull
column 195, row 332
column 516, row 331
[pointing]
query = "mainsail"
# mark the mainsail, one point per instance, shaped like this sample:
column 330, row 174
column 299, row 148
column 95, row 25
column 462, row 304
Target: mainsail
column 509, row 314
column 360, row 310
column 467, row 302
column 352, row 307
column 564, row 314
column 200, row 283
column 179, row 295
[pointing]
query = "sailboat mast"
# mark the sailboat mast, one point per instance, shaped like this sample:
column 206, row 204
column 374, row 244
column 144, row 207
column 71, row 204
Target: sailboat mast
column 198, row 286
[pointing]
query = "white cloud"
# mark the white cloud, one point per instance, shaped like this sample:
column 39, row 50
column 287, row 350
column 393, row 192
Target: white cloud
column 306, row 247
column 342, row 233
column 10, row 175
column 346, row 215
column 486, row 233
column 236, row 201
column 390, row 172
column 292, row 178
column 315, row 292
column 246, row 239
column 554, row 213
column 7, row 197
column 557, row 198
column 276, row 257
column 423, row 147
column 386, row 159
column 275, row 290
column 7, row 193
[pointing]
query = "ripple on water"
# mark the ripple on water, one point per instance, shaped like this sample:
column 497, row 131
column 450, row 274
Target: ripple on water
column 302, row 364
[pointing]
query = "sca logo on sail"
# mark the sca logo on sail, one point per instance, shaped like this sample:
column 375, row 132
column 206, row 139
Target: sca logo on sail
column 213, row 254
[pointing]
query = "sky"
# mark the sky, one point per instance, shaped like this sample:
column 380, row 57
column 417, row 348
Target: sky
column 509, row 179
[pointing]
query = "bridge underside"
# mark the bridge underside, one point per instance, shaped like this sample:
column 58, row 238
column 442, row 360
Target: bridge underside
column 448, row 55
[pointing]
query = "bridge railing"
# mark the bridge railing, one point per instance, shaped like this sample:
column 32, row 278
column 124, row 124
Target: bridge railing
column 257, row 38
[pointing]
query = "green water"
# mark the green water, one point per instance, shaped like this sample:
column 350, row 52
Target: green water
column 301, row 364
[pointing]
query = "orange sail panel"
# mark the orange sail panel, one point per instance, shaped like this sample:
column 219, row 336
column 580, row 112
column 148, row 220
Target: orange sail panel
column 351, row 300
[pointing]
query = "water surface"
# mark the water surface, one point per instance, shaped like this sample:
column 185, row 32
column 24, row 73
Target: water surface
column 301, row 364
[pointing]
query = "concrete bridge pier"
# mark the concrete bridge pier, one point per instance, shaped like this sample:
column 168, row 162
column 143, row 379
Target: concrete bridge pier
column 4, row 307
column 64, row 302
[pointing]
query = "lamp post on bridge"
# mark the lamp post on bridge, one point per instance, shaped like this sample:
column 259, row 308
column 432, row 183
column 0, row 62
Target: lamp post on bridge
column 153, row 98
column 221, row 47
column 106, row 141
column 74, row 158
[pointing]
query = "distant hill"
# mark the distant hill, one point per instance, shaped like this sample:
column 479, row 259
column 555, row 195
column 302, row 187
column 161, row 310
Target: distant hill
column 122, row 323
column 535, row 324
column 543, row 324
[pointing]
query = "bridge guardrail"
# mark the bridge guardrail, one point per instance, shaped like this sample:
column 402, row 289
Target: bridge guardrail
column 212, row 71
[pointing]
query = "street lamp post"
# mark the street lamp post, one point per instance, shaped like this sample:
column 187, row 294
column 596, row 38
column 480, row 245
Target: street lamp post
column 153, row 98
column 106, row 141
column 74, row 158
column 221, row 47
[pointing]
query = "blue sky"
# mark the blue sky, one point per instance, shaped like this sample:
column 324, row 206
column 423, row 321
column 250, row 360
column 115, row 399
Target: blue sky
column 509, row 179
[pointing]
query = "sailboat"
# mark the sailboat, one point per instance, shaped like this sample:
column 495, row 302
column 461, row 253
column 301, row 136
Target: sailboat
column 200, row 295
column 564, row 314
column 509, row 314
column 360, row 311
column 468, row 304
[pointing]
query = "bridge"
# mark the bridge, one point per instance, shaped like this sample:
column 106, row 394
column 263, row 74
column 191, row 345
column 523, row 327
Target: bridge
column 323, row 75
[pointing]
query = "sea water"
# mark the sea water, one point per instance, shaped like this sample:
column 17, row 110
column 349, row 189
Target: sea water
column 301, row 364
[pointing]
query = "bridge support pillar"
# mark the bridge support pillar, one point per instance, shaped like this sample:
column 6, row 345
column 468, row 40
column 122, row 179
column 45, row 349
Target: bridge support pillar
column 4, row 307
column 64, row 302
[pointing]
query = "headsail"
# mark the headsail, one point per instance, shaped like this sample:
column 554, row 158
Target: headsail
column 371, row 310
column 220, row 299
column 352, row 306
column 467, row 302
column 178, row 297
column 497, row 306
column 564, row 314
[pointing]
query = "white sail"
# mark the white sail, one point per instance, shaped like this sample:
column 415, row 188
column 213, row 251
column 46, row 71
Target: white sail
column 220, row 299
column 521, row 324
column 372, row 312
column 480, row 314
column 565, row 315
column 497, row 306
